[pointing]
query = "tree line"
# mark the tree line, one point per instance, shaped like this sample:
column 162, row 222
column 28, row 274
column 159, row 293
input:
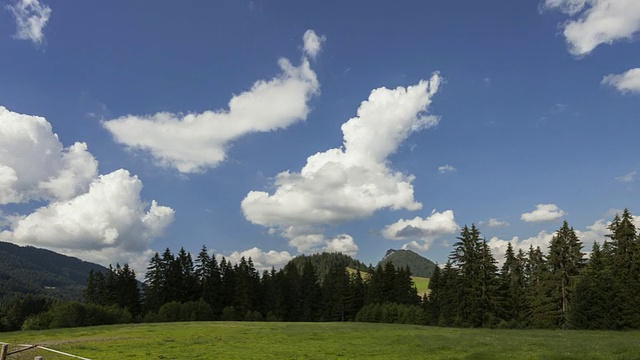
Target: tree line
column 560, row 289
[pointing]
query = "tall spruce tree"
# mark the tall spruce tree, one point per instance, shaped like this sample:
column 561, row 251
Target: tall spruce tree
column 594, row 294
column 477, row 271
column 513, row 302
column 154, row 284
column 625, row 262
column 432, row 301
column 564, row 262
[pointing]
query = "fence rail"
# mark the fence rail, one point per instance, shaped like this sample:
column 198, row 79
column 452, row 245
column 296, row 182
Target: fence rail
column 4, row 352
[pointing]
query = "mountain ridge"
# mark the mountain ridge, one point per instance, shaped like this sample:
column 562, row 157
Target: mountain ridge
column 418, row 265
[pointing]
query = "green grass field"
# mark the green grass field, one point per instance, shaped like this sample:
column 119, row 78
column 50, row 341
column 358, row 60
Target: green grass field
column 248, row 340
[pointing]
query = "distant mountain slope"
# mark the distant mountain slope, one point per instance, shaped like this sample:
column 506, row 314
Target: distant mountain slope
column 29, row 270
column 325, row 261
column 419, row 265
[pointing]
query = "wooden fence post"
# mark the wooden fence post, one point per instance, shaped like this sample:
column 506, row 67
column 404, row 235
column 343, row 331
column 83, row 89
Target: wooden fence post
column 3, row 352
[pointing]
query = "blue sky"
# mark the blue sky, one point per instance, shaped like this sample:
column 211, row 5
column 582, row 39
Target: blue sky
column 221, row 123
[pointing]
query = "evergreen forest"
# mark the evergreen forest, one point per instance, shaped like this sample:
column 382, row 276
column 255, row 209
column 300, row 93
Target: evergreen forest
column 560, row 289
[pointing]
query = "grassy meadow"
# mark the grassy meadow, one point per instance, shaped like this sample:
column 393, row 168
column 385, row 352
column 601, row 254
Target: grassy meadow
column 255, row 340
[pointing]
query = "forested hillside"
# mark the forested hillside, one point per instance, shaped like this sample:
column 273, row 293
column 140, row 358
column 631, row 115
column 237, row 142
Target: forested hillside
column 419, row 265
column 29, row 270
column 324, row 262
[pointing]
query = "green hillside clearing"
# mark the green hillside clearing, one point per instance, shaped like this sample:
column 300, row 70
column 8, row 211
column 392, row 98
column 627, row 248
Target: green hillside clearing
column 421, row 284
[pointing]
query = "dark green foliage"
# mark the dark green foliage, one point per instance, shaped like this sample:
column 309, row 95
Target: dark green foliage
column 476, row 280
column 594, row 294
column 335, row 293
column 311, row 294
column 76, row 314
column 118, row 287
column 15, row 311
column 390, row 285
column 392, row 313
column 417, row 264
column 564, row 263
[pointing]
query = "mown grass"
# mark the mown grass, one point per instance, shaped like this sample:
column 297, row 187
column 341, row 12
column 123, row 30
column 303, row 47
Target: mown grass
column 249, row 340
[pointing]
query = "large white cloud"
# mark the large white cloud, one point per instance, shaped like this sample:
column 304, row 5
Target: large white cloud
column 194, row 142
column 598, row 22
column 31, row 17
column 627, row 82
column 110, row 215
column 424, row 229
column 96, row 218
column 353, row 181
column 34, row 165
column 543, row 212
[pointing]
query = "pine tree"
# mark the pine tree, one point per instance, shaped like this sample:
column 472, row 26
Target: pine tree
column 565, row 262
column 450, row 297
column 155, row 284
column 334, row 294
column 356, row 295
column 311, row 293
column 625, row 262
column 187, row 285
column 433, row 300
column 487, row 288
column 477, row 271
column 594, row 294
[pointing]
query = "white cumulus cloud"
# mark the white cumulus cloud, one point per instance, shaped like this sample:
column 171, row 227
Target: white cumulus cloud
column 110, row 215
column 628, row 82
column 343, row 244
column 31, row 17
column 353, row 181
column 34, row 165
column 313, row 43
column 194, row 142
column 310, row 239
column 428, row 229
column 262, row 260
column 543, row 212
column 597, row 22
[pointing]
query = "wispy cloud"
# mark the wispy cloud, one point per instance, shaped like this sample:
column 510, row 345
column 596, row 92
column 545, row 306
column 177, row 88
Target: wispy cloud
column 627, row 178
column 495, row 223
column 31, row 18
column 446, row 169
